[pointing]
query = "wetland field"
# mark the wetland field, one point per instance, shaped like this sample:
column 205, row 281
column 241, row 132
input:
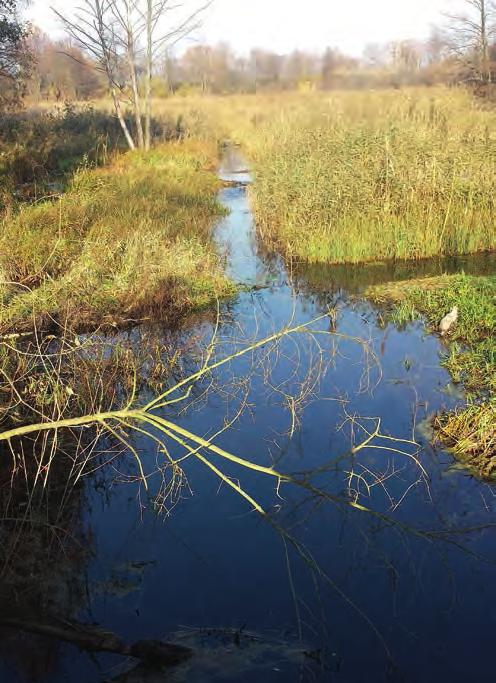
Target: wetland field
column 235, row 445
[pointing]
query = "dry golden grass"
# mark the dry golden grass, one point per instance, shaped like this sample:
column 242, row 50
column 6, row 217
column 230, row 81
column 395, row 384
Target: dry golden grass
column 126, row 241
column 359, row 176
column 371, row 176
column 471, row 434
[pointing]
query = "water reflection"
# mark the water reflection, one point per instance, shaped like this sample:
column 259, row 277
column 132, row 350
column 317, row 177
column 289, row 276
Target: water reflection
column 356, row 278
column 45, row 549
column 369, row 564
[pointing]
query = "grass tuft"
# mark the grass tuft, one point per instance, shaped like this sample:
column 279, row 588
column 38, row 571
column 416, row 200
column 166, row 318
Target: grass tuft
column 471, row 434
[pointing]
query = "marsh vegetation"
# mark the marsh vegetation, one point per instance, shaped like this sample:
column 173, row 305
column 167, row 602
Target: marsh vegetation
column 122, row 243
column 168, row 339
column 359, row 177
column 235, row 443
column 470, row 355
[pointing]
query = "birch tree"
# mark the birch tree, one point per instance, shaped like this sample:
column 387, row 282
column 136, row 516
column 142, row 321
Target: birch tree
column 92, row 26
column 166, row 23
column 127, row 16
column 127, row 38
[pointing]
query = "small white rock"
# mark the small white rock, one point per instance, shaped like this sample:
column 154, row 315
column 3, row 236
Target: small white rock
column 448, row 321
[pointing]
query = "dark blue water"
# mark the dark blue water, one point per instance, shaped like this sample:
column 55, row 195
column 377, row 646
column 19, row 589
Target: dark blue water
column 319, row 589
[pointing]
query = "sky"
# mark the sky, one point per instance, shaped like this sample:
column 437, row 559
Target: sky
column 284, row 25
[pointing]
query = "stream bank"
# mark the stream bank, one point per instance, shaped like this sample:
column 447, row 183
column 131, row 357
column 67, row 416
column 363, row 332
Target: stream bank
column 396, row 533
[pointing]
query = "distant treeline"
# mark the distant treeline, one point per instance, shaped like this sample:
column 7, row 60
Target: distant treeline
column 61, row 71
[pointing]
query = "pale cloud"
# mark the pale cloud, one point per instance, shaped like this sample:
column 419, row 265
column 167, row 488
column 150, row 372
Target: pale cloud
column 282, row 25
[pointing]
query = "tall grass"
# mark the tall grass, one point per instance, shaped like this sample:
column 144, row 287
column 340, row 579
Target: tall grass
column 357, row 177
column 127, row 240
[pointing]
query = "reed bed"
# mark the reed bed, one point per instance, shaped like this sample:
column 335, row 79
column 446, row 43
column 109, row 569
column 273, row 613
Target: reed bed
column 357, row 177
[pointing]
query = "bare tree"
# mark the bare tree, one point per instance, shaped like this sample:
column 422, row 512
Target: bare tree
column 469, row 36
column 128, row 18
column 93, row 28
column 166, row 23
column 124, row 35
column 61, row 70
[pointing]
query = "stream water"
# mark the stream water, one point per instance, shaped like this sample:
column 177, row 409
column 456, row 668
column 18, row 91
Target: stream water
column 342, row 594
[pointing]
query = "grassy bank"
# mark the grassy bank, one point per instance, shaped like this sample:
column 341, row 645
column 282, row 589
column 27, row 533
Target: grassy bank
column 126, row 241
column 354, row 177
column 41, row 148
column 471, row 355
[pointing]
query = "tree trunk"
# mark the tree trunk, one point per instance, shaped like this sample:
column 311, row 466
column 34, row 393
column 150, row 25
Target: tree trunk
column 107, row 63
column 130, row 51
column 136, row 99
column 122, row 121
column 149, row 68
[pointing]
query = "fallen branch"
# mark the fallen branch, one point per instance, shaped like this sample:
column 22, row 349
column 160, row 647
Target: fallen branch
column 152, row 653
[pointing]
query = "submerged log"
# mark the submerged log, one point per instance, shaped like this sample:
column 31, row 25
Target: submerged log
column 152, row 653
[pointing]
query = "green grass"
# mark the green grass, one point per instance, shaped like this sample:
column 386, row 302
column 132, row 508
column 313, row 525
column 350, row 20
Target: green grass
column 470, row 358
column 126, row 241
column 357, row 177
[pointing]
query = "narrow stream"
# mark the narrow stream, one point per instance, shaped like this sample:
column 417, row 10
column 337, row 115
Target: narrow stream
column 344, row 595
